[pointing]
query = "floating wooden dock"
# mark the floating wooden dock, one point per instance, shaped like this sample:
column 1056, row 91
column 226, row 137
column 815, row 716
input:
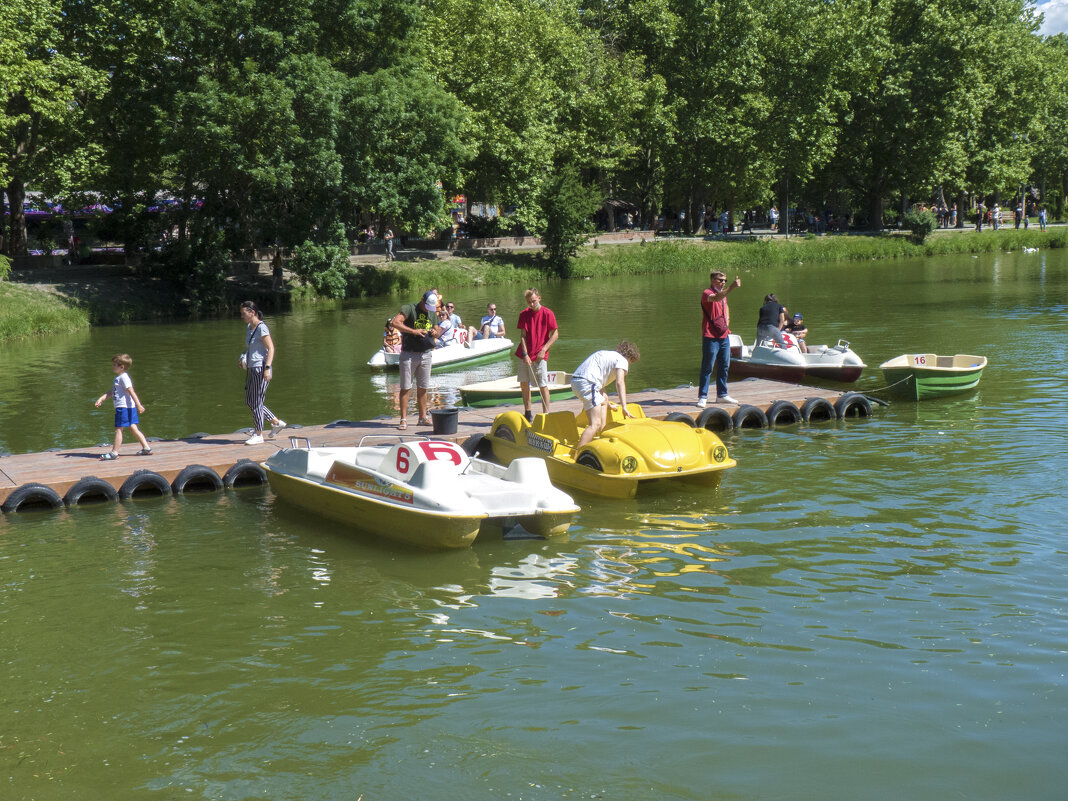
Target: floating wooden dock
column 52, row 478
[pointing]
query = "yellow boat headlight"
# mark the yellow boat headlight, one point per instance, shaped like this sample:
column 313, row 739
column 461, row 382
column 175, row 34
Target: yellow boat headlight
column 629, row 464
column 719, row 454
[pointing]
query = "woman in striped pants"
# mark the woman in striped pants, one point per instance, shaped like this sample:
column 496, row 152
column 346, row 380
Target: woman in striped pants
column 258, row 359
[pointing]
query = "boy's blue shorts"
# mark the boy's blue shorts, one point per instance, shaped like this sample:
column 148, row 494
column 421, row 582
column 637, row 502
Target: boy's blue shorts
column 126, row 416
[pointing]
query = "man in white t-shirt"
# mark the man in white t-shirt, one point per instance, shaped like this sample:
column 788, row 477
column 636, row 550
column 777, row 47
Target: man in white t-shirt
column 590, row 379
column 491, row 325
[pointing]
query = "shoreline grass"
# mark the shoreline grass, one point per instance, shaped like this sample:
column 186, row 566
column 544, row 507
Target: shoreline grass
column 31, row 311
column 689, row 255
column 27, row 311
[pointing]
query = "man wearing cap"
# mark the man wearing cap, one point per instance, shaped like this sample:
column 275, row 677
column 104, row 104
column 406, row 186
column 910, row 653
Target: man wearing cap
column 417, row 323
column 796, row 328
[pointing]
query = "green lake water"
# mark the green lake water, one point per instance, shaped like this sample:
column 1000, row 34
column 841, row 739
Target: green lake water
column 872, row 609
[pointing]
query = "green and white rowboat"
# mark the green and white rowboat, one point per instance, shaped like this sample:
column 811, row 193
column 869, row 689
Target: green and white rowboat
column 919, row 376
column 507, row 390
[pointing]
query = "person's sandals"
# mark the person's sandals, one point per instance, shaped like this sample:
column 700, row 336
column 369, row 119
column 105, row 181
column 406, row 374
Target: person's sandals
column 424, row 421
column 402, row 425
column 110, row 456
column 145, row 452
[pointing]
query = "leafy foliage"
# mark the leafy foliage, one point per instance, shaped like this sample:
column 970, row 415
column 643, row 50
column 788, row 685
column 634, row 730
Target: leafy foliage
column 324, row 264
column 239, row 124
column 566, row 208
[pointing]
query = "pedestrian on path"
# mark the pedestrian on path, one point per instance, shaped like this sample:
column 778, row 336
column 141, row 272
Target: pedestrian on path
column 258, row 361
column 537, row 332
column 127, row 407
column 715, row 338
column 418, row 325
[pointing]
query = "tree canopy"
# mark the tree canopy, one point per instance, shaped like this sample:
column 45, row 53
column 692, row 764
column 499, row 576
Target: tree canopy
column 212, row 127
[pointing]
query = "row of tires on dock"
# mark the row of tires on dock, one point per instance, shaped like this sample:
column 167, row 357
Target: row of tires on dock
column 780, row 413
column 143, row 483
column 246, row 472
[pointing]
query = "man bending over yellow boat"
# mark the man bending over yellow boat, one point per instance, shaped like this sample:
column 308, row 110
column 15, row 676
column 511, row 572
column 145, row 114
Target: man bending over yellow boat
column 590, row 379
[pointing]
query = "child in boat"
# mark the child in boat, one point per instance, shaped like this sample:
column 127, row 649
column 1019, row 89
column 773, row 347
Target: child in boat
column 796, row 327
column 590, row 379
column 391, row 338
column 127, row 405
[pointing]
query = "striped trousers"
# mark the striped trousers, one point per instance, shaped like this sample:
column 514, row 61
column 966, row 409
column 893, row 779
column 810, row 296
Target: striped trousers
column 255, row 394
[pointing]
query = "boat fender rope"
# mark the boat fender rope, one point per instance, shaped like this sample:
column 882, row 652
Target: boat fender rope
column 90, row 488
column 32, row 495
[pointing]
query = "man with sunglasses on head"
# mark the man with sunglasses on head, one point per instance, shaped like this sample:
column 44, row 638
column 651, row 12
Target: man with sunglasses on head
column 715, row 338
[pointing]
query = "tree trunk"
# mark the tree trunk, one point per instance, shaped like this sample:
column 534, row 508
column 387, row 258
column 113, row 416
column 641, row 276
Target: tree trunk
column 784, row 206
column 960, row 209
column 16, row 196
column 875, row 209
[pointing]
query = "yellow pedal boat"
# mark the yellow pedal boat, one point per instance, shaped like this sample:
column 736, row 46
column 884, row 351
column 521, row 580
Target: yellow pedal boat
column 628, row 451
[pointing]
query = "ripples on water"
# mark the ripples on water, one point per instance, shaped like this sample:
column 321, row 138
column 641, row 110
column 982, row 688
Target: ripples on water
column 871, row 609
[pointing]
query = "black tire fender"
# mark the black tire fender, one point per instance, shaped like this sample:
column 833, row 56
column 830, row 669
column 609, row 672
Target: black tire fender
column 782, row 413
column 478, row 445
column 852, row 404
column 715, row 418
column 32, row 496
column 244, row 472
column 144, row 482
column 196, row 477
column 748, row 416
column 92, row 489
column 589, row 459
column 679, row 417
column 815, row 409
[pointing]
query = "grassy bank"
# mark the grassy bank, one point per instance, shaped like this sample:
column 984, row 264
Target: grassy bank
column 687, row 255
column 26, row 311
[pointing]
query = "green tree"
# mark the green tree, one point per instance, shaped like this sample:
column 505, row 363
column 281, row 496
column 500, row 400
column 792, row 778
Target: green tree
column 1050, row 164
column 566, row 206
column 44, row 87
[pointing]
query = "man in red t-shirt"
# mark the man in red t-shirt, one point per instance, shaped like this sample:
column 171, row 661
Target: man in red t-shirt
column 715, row 338
column 537, row 332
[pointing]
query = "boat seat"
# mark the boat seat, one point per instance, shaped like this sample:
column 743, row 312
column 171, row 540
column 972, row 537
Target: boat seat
column 561, row 426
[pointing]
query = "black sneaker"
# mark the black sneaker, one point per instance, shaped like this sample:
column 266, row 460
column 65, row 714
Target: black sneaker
column 529, row 415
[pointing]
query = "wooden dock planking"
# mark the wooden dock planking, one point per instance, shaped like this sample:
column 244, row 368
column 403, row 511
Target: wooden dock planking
column 60, row 470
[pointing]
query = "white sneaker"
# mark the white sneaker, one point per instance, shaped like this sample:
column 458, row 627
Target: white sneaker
column 255, row 439
column 727, row 399
column 702, row 403
column 276, row 427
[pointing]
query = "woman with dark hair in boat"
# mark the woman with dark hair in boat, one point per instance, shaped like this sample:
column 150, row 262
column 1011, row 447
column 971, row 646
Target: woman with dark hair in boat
column 771, row 321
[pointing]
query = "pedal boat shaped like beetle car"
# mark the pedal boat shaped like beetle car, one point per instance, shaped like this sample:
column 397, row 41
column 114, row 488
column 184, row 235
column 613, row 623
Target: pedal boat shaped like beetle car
column 628, row 451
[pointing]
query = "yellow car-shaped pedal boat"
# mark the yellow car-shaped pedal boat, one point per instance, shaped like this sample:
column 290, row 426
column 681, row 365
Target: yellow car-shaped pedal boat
column 627, row 452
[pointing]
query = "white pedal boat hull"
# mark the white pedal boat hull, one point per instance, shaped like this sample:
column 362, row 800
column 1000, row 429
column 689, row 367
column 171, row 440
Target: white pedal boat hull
column 837, row 363
column 422, row 492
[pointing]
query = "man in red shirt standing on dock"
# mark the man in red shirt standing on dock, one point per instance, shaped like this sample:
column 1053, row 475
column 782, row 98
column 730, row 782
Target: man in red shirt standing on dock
column 537, row 332
column 715, row 341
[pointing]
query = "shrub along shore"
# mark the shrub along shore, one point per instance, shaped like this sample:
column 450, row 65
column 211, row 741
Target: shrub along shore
column 29, row 311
